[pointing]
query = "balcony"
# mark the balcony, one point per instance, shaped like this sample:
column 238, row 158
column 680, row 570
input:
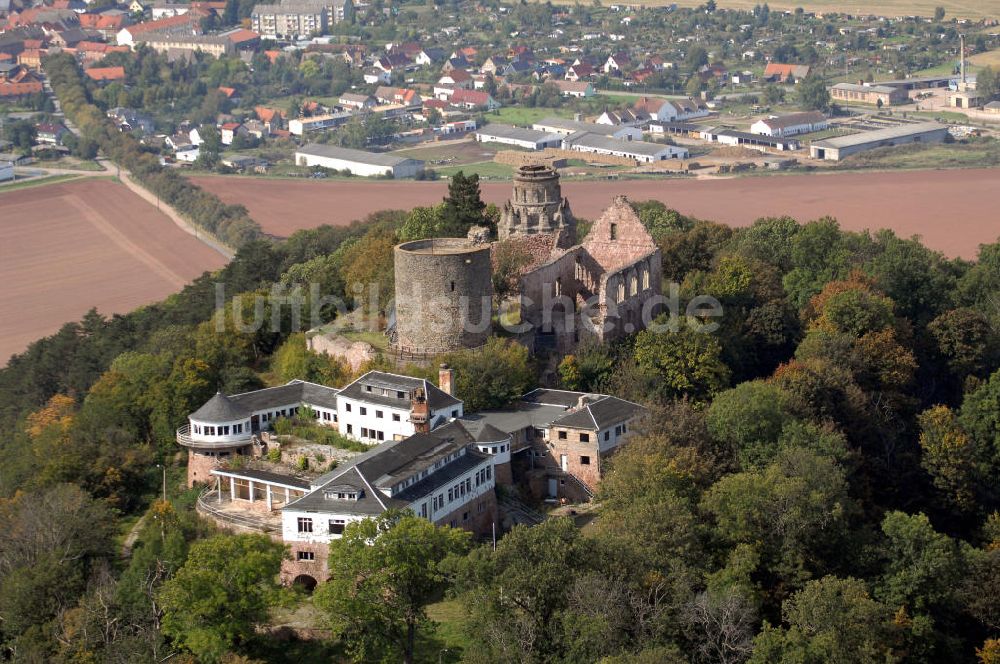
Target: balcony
column 222, row 443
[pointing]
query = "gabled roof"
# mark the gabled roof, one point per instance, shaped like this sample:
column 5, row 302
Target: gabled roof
column 604, row 412
column 106, row 73
column 437, row 399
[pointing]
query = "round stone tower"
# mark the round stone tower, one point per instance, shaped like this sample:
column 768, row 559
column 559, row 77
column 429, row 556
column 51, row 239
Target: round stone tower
column 537, row 205
column 444, row 294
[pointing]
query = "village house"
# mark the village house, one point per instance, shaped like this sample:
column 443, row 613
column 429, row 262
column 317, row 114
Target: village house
column 48, row 133
column 791, row 124
column 857, row 93
column 358, row 162
column 528, row 139
column 357, row 101
column 578, row 89
column 776, row 72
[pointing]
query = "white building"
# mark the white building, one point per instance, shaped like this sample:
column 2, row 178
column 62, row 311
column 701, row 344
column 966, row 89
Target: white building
column 6, row 171
column 229, row 425
column 188, row 153
column 381, row 406
column 790, row 125
column 568, row 127
column 640, row 151
column 300, row 126
column 529, row 139
column 444, row 480
column 358, row 162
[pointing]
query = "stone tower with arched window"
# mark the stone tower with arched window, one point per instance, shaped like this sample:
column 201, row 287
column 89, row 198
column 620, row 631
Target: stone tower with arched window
column 537, row 207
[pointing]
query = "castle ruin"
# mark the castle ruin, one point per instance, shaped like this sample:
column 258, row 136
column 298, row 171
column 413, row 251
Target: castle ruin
column 537, row 206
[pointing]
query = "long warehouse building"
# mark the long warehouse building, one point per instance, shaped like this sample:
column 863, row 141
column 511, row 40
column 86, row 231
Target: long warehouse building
column 839, row 147
column 358, row 162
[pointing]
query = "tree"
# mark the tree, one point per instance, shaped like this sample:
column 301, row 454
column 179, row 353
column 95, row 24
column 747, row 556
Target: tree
column 980, row 416
column 795, row 511
column 749, row 418
column 222, row 593
column 383, row 573
column 492, row 376
column 921, row 578
column 293, row 360
column 830, row 620
column 687, row 362
column 988, row 82
column 938, row 14
column 813, row 94
column 464, row 206
column 950, row 457
column 21, row 133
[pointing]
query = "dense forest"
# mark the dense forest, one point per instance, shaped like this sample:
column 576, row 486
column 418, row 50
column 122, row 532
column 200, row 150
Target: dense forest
column 816, row 481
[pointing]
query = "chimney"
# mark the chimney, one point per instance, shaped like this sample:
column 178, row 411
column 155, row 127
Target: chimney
column 446, row 379
column 420, row 412
column 581, row 403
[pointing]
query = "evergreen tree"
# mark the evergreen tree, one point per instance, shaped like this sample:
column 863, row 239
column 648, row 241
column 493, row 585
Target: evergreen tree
column 464, row 206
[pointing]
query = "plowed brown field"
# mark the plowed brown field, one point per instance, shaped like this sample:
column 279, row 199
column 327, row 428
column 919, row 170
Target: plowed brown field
column 954, row 211
column 76, row 245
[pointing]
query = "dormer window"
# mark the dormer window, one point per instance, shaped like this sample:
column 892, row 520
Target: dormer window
column 342, row 495
column 368, row 388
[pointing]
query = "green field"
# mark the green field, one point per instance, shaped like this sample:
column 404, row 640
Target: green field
column 486, row 170
column 954, row 8
column 523, row 117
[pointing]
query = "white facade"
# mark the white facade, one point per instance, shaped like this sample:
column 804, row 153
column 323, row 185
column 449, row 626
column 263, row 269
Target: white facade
column 374, row 423
column 358, row 162
column 6, row 171
column 300, row 126
column 641, row 151
column 301, row 523
column 768, row 127
column 189, row 155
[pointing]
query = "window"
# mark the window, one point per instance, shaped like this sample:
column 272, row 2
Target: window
column 395, row 417
column 306, row 555
column 562, row 435
column 379, row 414
column 453, row 287
column 316, row 414
column 623, row 428
column 400, row 394
column 364, row 411
column 614, row 231
column 493, row 450
column 584, row 437
column 209, row 431
column 423, row 510
column 585, row 461
column 350, row 429
column 237, row 428
column 381, row 435
column 305, row 524
column 451, row 495
column 337, row 526
column 489, row 472
column 465, row 516
column 607, row 435
column 326, row 416
column 347, row 407
column 454, row 413
column 368, row 388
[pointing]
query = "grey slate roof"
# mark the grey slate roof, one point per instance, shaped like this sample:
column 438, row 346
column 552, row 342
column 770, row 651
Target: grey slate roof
column 220, row 408
column 369, row 503
column 437, row 399
column 600, row 414
column 564, row 398
column 388, row 464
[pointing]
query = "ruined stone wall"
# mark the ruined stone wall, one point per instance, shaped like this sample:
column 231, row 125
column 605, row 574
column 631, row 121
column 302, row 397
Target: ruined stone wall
column 444, row 292
column 553, row 282
column 624, row 294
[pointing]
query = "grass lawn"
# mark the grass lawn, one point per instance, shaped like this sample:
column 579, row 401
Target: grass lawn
column 35, row 182
column 523, row 116
column 982, row 153
column 991, row 58
column 448, row 640
column 376, row 339
column 485, row 170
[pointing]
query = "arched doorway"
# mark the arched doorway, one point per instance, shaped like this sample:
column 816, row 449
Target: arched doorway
column 305, row 582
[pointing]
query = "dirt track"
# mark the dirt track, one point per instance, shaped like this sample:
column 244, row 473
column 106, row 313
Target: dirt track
column 72, row 246
column 954, row 211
